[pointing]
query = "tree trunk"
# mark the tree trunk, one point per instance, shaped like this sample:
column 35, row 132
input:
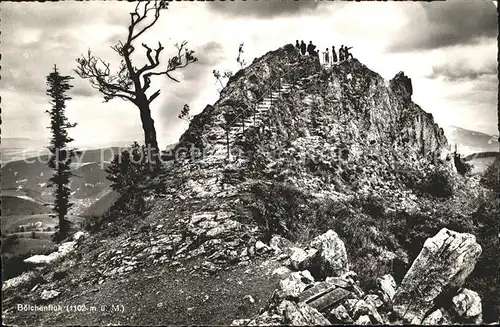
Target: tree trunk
column 149, row 131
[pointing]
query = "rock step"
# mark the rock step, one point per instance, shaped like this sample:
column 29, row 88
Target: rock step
column 331, row 298
column 316, row 292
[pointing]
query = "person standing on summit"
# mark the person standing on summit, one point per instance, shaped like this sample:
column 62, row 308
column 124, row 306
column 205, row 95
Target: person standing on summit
column 326, row 56
column 341, row 53
column 303, row 48
column 310, row 48
column 334, row 55
column 297, row 45
column 346, row 53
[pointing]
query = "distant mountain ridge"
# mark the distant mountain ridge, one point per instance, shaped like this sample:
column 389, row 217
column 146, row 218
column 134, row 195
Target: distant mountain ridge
column 469, row 141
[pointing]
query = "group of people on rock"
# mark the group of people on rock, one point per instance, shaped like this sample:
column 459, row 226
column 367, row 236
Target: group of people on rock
column 310, row 48
column 344, row 53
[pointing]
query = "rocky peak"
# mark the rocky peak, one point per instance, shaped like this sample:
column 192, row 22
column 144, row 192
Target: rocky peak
column 295, row 99
column 401, row 85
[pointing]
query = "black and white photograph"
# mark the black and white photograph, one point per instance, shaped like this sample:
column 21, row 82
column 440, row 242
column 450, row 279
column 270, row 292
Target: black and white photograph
column 250, row 163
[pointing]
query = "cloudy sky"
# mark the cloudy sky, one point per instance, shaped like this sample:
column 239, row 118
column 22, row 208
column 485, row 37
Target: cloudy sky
column 448, row 48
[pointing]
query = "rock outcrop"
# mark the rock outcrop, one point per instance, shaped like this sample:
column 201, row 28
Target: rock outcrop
column 438, row 272
column 441, row 267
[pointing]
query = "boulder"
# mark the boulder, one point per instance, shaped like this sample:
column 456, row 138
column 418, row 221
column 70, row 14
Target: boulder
column 361, row 308
column 48, row 295
column 300, row 259
column 442, row 266
column 373, row 300
column 279, row 244
column 294, row 284
column 26, row 279
column 387, row 286
column 435, row 318
column 318, row 290
column 301, row 314
column 363, row 320
column 339, row 314
column 332, row 254
column 467, row 304
column 260, row 246
column 330, row 299
column 337, row 281
column 40, row 259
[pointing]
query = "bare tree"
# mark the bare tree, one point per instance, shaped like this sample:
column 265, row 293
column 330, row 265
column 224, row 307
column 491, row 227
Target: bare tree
column 129, row 82
column 185, row 114
column 222, row 78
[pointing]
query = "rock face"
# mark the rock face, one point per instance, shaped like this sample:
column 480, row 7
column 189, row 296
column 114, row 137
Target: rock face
column 346, row 112
column 401, row 84
column 442, row 266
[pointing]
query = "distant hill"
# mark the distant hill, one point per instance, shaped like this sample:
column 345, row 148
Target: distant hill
column 12, row 205
column 480, row 161
column 469, row 142
column 479, row 155
column 28, row 178
column 20, row 148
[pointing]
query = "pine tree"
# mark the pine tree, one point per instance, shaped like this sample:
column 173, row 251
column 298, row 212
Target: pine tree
column 128, row 170
column 61, row 155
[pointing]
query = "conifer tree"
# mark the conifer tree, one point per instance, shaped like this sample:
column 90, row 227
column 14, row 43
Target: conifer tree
column 61, row 155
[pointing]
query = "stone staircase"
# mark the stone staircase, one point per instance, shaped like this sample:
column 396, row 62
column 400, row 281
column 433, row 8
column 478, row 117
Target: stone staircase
column 237, row 129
